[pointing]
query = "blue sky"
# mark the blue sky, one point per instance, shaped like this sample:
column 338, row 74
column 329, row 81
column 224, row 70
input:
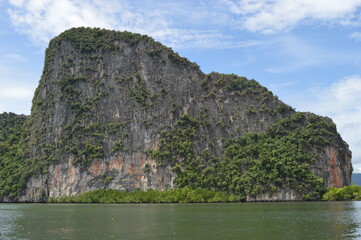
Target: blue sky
column 308, row 52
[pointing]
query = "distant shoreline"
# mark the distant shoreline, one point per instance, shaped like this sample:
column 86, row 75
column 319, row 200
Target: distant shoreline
column 186, row 195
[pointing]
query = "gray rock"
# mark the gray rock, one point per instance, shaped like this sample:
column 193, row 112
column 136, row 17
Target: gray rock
column 105, row 98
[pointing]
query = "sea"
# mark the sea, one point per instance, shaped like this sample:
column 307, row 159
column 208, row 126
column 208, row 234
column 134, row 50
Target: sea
column 261, row 220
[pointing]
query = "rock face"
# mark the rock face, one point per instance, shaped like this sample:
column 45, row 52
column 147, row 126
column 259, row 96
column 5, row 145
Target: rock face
column 108, row 102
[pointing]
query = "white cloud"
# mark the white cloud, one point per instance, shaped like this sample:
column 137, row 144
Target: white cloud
column 44, row 19
column 296, row 54
column 17, row 3
column 16, row 93
column 14, row 57
column 17, row 84
column 269, row 16
column 356, row 36
column 284, row 84
column 16, row 96
column 292, row 53
column 341, row 101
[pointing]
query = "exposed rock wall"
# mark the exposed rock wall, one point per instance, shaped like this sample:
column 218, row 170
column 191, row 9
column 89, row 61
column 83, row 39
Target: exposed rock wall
column 105, row 98
column 334, row 166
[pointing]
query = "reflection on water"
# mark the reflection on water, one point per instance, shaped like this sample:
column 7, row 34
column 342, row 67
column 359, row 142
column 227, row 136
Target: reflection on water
column 8, row 215
column 287, row 220
column 350, row 216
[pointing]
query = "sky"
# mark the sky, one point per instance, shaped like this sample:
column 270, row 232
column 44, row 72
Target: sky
column 307, row 52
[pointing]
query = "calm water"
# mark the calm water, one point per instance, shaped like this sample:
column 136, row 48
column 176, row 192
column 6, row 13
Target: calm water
column 290, row 220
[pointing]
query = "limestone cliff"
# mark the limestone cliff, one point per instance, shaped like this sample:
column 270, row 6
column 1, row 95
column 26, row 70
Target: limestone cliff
column 119, row 110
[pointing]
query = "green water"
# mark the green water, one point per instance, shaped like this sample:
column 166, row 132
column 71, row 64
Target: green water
column 287, row 220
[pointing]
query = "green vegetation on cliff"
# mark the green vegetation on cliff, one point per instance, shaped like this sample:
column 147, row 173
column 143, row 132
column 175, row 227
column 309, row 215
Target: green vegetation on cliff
column 93, row 40
column 85, row 134
column 346, row 193
column 187, row 195
column 252, row 164
column 180, row 195
column 13, row 167
column 125, row 101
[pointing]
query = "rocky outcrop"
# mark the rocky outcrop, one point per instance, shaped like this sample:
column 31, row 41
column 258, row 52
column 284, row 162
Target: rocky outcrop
column 334, row 165
column 69, row 178
column 108, row 101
